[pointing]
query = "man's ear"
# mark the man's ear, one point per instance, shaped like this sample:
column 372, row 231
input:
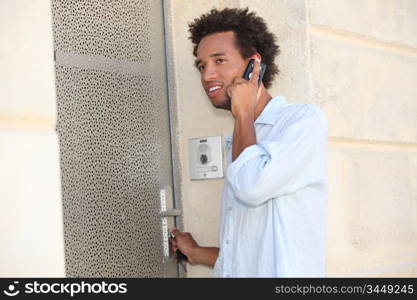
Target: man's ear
column 256, row 56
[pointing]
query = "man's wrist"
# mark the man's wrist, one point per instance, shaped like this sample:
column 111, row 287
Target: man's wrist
column 193, row 255
column 245, row 117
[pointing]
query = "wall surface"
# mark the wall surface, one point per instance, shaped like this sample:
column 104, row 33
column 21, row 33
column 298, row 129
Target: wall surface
column 357, row 60
column 363, row 70
column 31, row 233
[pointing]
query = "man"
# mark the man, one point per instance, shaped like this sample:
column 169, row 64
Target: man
column 274, row 199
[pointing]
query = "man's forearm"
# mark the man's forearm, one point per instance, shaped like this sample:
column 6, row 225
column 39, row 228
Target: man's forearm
column 243, row 134
column 204, row 256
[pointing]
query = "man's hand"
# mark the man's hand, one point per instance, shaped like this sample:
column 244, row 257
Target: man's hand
column 245, row 94
column 184, row 242
column 245, row 97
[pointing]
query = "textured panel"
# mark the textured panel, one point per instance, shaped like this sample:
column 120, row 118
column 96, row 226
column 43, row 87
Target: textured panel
column 117, row 29
column 113, row 124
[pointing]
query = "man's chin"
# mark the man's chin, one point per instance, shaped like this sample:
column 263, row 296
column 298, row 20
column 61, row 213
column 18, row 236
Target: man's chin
column 225, row 104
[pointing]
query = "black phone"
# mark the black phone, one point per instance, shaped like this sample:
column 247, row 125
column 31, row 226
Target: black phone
column 249, row 69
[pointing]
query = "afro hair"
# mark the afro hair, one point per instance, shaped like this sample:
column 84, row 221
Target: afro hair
column 251, row 33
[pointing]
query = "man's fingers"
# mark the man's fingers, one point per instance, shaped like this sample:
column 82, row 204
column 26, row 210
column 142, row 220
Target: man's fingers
column 174, row 245
column 256, row 70
column 258, row 94
column 238, row 80
column 174, row 232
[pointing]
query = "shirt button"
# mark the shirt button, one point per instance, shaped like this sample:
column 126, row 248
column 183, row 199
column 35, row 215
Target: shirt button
column 230, row 208
column 228, row 276
column 227, row 242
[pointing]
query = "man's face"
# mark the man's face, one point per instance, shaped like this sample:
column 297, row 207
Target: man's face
column 219, row 62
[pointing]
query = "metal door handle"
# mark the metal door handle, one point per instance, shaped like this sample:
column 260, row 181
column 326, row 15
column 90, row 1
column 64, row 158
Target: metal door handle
column 164, row 214
column 171, row 213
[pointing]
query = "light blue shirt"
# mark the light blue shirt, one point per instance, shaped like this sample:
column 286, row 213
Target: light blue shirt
column 273, row 215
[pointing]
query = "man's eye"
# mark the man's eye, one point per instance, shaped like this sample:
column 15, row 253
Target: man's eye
column 200, row 68
column 220, row 60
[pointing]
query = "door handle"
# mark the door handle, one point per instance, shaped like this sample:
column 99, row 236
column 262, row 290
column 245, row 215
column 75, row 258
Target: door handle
column 171, row 213
column 165, row 213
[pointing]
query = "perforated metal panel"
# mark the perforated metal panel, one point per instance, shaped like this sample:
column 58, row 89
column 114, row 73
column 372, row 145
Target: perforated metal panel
column 113, row 126
column 119, row 29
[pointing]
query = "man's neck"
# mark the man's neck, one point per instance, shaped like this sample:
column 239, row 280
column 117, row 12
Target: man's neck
column 264, row 98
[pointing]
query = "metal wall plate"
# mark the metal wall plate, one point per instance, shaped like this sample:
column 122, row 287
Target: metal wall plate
column 206, row 157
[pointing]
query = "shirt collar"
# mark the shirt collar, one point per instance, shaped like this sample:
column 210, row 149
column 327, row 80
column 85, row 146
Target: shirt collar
column 268, row 116
column 271, row 111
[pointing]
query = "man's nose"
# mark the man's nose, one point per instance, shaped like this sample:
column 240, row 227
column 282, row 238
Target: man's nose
column 209, row 73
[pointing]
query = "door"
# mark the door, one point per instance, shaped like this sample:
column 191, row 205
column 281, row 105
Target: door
column 113, row 127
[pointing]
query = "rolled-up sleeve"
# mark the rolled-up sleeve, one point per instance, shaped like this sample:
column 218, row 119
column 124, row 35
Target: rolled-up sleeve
column 281, row 165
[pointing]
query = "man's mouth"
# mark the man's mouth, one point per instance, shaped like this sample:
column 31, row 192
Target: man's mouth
column 214, row 90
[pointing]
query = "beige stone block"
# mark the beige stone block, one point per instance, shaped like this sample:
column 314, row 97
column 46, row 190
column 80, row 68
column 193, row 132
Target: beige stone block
column 198, row 271
column 27, row 86
column 201, row 201
column 31, row 225
column 372, row 210
column 367, row 93
column 392, row 21
column 204, row 209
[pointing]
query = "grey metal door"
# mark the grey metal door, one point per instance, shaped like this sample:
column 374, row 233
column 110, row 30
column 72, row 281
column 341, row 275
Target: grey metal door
column 113, row 126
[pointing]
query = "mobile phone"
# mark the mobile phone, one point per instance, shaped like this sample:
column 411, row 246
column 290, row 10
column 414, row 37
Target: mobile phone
column 249, row 69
